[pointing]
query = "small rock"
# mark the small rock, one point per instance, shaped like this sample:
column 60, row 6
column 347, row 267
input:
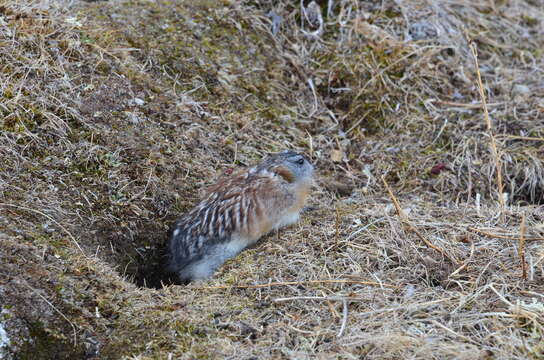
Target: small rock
column 4, row 342
column 409, row 291
column 520, row 90
column 139, row 101
column 422, row 30
column 47, row 228
column 132, row 117
column 73, row 21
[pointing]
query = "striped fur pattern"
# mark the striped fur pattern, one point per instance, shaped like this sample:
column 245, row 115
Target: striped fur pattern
column 237, row 211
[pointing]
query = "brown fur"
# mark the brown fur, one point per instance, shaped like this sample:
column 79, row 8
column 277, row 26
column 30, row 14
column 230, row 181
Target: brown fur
column 238, row 210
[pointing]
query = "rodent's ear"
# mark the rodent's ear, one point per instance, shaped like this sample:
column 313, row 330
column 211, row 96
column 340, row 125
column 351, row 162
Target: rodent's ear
column 285, row 173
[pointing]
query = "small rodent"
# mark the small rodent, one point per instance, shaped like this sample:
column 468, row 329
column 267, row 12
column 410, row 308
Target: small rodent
column 237, row 211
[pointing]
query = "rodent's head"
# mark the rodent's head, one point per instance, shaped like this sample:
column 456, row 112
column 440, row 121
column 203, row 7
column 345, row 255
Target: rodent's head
column 291, row 166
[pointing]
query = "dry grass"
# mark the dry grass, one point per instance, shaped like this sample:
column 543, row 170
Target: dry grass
column 115, row 114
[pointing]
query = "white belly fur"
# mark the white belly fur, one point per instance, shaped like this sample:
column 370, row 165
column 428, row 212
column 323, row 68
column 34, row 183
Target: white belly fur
column 287, row 219
column 217, row 255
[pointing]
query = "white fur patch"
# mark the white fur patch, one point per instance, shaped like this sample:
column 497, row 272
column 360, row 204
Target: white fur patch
column 235, row 245
column 216, row 256
column 287, row 219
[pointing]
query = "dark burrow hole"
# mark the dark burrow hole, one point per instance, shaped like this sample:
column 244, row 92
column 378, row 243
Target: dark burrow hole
column 140, row 255
column 525, row 185
column 528, row 197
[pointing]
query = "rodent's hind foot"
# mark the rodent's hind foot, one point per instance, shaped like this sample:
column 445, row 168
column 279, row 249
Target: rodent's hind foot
column 199, row 270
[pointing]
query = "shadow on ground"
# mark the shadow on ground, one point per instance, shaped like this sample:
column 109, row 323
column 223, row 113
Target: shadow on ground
column 139, row 255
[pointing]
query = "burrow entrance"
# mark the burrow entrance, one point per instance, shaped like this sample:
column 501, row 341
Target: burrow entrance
column 139, row 254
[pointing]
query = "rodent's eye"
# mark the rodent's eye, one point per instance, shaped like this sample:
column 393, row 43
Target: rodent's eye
column 300, row 161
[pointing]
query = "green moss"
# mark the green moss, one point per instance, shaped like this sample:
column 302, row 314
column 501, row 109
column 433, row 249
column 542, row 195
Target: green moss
column 103, row 68
column 59, row 243
column 46, row 343
column 8, row 93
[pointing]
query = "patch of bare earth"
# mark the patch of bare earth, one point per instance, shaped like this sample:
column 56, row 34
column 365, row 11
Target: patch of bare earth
column 423, row 238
